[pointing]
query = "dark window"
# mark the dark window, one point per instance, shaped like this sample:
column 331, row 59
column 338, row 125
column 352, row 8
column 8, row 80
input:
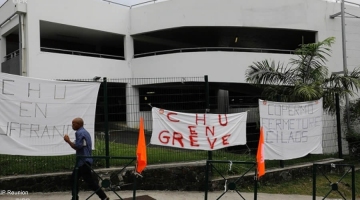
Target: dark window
column 189, row 98
column 243, row 39
column 65, row 39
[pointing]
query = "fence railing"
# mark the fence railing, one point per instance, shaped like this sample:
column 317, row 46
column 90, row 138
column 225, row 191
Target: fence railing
column 130, row 6
column 206, row 49
column 348, row 2
column 81, row 53
column 129, row 99
column 12, row 55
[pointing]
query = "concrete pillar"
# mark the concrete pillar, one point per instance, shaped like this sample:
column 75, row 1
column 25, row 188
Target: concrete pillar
column 132, row 106
column 2, row 48
column 129, row 48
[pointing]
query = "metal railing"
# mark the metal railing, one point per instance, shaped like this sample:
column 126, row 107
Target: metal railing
column 327, row 173
column 143, row 3
column 348, row 2
column 117, row 118
column 116, row 3
column 202, row 49
column 109, row 1
column 12, row 55
column 81, row 53
column 105, row 183
column 234, row 182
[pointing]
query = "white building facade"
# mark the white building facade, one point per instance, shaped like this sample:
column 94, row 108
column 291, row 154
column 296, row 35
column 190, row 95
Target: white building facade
column 80, row 39
column 80, row 20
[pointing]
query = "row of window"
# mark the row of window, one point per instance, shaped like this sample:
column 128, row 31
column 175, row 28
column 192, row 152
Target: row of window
column 65, row 39
column 60, row 38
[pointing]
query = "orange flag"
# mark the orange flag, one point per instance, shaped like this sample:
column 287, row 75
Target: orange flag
column 141, row 149
column 260, row 154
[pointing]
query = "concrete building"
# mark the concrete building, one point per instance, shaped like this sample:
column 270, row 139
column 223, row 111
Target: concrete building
column 81, row 39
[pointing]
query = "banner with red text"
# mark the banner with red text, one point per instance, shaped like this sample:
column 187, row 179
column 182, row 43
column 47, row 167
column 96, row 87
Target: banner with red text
column 291, row 130
column 36, row 113
column 200, row 131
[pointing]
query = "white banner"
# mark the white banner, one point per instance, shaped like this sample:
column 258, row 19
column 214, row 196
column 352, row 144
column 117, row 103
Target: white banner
column 291, row 130
column 198, row 131
column 36, row 113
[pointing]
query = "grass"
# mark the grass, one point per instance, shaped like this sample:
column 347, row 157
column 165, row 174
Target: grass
column 304, row 186
column 16, row 165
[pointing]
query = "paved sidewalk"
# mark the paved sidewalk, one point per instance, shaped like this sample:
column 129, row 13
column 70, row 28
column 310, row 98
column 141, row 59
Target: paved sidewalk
column 158, row 195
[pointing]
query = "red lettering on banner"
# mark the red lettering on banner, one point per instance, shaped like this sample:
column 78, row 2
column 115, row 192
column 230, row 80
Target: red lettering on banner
column 191, row 129
column 212, row 143
column 193, row 136
column 172, row 120
column 225, row 139
column 178, row 137
column 193, row 142
column 211, row 131
column 161, row 137
column 199, row 119
column 226, row 121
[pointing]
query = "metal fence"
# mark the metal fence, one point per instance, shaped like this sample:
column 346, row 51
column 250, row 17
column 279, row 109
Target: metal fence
column 121, row 103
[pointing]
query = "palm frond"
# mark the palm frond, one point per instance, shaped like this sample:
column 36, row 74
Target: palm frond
column 349, row 83
column 307, row 92
column 265, row 72
column 306, row 79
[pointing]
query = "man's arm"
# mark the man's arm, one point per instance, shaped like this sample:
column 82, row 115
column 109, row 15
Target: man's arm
column 67, row 140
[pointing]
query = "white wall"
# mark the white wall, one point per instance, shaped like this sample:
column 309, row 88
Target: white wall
column 7, row 28
column 352, row 34
column 63, row 66
column 219, row 66
column 7, row 10
column 312, row 15
column 294, row 14
column 352, row 30
column 330, row 136
column 260, row 13
column 91, row 14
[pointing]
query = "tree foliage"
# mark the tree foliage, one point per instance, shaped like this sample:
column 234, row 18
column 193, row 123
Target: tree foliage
column 305, row 77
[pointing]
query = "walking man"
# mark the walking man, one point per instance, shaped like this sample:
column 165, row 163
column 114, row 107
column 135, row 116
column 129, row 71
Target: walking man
column 82, row 145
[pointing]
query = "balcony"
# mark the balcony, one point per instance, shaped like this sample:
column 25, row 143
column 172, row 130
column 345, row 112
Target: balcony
column 11, row 65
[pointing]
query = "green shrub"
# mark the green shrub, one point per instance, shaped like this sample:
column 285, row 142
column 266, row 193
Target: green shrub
column 352, row 133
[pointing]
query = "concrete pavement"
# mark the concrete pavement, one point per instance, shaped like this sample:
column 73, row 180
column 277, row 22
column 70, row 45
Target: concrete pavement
column 158, row 195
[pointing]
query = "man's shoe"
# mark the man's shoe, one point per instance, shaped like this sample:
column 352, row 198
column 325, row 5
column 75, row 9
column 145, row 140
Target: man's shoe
column 107, row 198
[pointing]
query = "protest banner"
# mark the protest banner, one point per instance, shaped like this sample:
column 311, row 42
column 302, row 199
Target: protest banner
column 291, row 130
column 202, row 131
column 36, row 113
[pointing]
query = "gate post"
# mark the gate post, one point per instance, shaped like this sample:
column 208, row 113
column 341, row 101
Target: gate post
column 314, row 181
column 207, row 106
column 338, row 123
column 106, row 124
column 206, row 179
